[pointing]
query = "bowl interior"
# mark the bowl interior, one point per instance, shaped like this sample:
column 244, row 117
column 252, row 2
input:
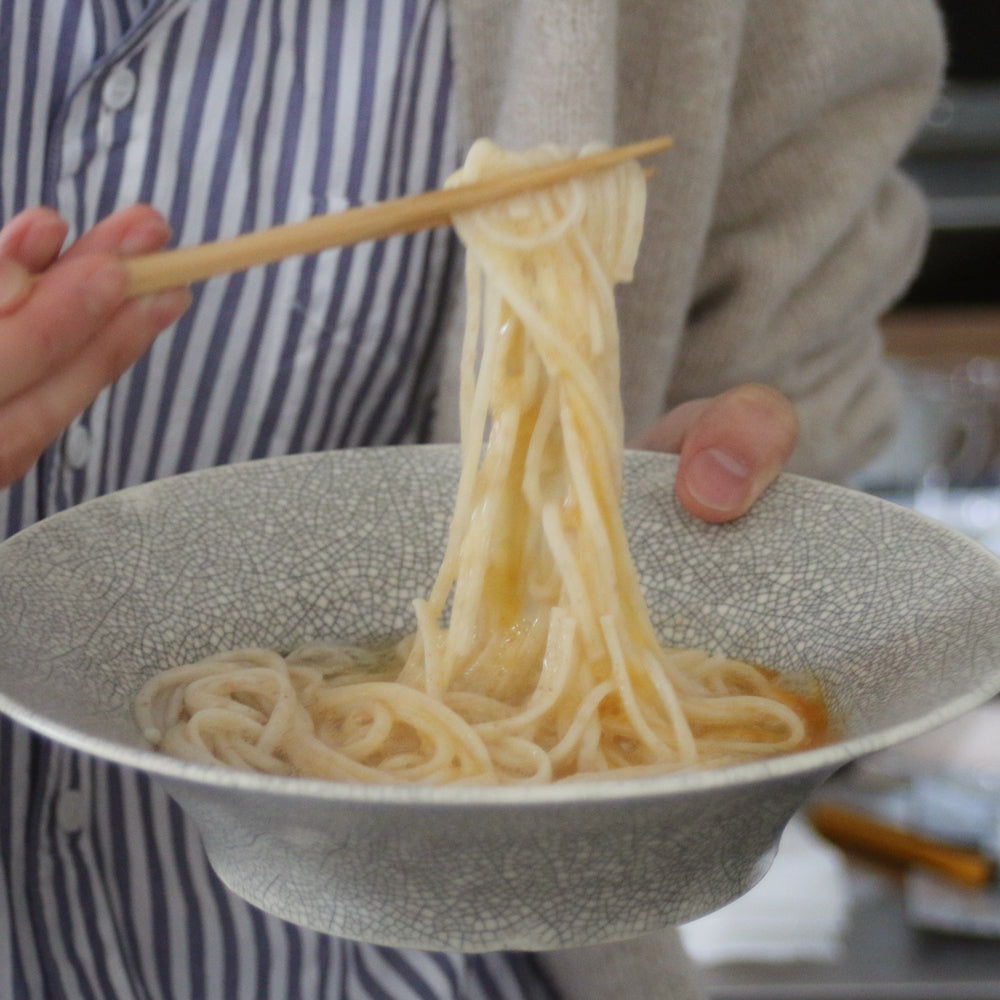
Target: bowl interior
column 895, row 614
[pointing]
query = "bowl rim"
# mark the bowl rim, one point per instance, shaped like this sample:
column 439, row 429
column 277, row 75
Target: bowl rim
column 588, row 791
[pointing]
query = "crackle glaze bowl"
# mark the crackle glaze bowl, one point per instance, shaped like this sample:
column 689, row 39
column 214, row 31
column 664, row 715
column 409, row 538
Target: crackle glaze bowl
column 898, row 616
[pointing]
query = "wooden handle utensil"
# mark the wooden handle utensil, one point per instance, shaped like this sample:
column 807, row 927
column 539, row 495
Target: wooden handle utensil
column 182, row 266
column 865, row 835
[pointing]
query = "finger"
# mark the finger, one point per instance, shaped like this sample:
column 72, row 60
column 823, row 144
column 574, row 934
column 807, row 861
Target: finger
column 67, row 306
column 33, row 238
column 31, row 420
column 734, row 447
column 136, row 229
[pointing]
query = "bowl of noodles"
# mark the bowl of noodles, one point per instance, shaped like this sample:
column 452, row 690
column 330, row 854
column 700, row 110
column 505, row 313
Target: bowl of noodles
column 506, row 693
column 892, row 616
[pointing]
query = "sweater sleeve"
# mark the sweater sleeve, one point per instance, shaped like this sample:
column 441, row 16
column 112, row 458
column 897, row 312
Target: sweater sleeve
column 815, row 232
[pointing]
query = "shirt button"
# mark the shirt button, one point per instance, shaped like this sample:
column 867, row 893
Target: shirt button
column 76, row 446
column 118, row 89
column 71, row 811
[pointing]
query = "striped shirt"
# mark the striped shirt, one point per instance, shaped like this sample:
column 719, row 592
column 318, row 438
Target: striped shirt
column 228, row 117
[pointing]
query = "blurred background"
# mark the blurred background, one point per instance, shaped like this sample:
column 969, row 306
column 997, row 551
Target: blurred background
column 944, row 338
column 957, row 162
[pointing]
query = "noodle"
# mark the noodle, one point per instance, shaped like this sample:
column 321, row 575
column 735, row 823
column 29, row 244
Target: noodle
column 534, row 658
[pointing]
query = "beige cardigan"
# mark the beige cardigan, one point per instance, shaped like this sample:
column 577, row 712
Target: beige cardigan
column 777, row 230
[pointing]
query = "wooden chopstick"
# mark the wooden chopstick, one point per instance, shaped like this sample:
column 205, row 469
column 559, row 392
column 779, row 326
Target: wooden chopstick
column 880, row 841
column 185, row 265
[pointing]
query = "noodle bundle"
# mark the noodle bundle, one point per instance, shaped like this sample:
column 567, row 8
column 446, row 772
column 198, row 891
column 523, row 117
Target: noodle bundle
column 534, row 658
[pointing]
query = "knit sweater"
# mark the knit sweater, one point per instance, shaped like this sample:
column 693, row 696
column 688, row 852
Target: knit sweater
column 778, row 228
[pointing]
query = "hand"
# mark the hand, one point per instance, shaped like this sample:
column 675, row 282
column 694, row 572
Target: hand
column 67, row 328
column 731, row 447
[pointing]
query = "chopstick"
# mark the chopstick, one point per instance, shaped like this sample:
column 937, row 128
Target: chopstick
column 880, row 841
column 185, row 265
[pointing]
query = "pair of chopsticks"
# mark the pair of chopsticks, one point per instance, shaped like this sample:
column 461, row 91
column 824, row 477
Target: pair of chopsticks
column 186, row 265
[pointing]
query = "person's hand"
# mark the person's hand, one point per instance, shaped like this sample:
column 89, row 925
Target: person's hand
column 66, row 326
column 731, row 448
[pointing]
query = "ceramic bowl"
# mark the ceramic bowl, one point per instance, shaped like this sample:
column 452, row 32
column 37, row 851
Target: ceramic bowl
column 898, row 616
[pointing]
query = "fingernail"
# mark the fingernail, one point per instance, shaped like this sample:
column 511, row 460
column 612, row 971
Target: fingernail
column 15, row 283
column 165, row 307
column 143, row 238
column 105, row 289
column 43, row 239
column 717, row 479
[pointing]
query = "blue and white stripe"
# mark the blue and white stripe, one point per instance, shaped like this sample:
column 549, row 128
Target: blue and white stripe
column 228, row 117
column 270, row 112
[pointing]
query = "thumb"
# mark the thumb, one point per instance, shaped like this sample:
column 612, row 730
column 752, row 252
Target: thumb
column 733, row 450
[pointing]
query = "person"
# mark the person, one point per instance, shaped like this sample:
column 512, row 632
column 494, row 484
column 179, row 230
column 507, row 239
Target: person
column 778, row 229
